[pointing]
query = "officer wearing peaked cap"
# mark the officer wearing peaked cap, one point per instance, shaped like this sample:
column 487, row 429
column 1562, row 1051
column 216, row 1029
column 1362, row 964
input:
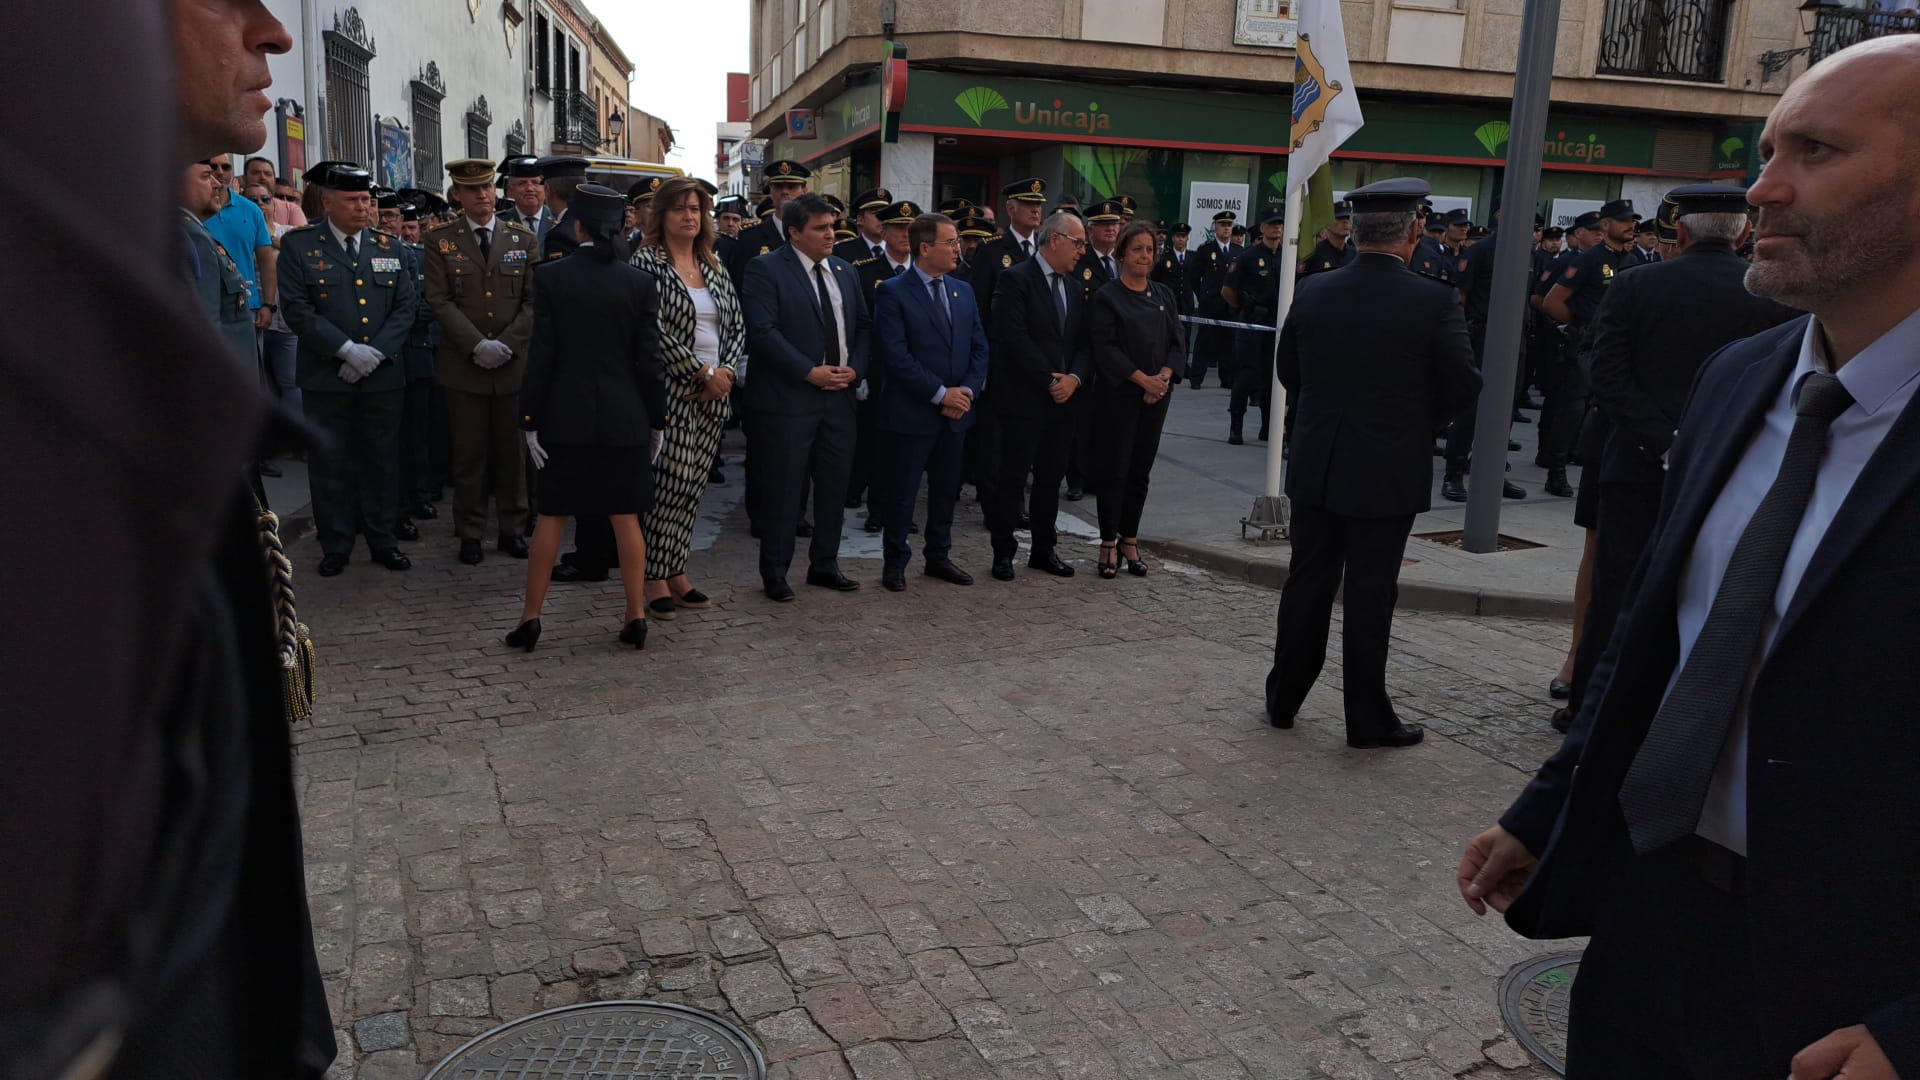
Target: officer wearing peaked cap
column 1573, row 299
column 347, row 293
column 1433, row 258
column 1206, row 271
column 1361, row 465
column 1335, row 249
column 1024, row 203
column 895, row 259
column 561, row 175
column 1253, row 288
column 974, row 231
column 1171, row 268
column 785, row 179
column 867, row 239
column 526, row 201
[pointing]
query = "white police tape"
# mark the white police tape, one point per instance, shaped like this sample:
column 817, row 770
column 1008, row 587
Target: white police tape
column 1198, row 321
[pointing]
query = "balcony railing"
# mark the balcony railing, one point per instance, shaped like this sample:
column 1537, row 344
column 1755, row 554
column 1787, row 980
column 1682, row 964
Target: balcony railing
column 1665, row 39
column 1835, row 27
column 576, row 123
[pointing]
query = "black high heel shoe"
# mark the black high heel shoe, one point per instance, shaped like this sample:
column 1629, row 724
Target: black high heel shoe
column 524, row 635
column 1107, row 566
column 635, row 634
column 1134, row 565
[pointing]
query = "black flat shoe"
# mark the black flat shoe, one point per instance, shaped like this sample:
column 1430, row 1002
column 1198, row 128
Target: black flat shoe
column 715, row 476
column 1403, row 735
column 1051, row 563
column 568, row 572
column 515, row 546
column 692, row 600
column 333, row 565
column 779, row 592
column 392, row 559
column 1559, row 690
column 406, row 530
column 470, row 552
column 946, row 571
column 834, row 580
column 873, row 524
column 1075, row 494
column 1512, row 446
column 894, row 579
column 635, row 634
column 1022, row 521
column 1109, row 567
column 662, row 608
column 522, row 637
column 1002, row 569
column 853, row 502
column 1521, row 418
column 1135, row 566
column 1452, row 488
column 1562, row 721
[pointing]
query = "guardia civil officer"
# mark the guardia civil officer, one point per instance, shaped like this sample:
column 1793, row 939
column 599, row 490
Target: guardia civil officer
column 1206, row 273
column 1656, row 326
column 347, row 293
column 1335, row 249
column 1376, row 358
column 1253, row 288
column 1024, row 203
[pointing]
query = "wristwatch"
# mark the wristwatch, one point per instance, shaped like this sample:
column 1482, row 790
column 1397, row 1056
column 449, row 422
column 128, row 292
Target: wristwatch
column 707, row 372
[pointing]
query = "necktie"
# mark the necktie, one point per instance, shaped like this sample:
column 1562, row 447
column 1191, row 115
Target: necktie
column 1026, row 249
column 486, row 242
column 1666, row 785
column 897, row 269
column 876, row 251
column 353, row 249
column 1060, row 298
column 940, row 317
column 828, row 324
column 1107, row 261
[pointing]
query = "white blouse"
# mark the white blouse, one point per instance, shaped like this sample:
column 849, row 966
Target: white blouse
column 706, row 327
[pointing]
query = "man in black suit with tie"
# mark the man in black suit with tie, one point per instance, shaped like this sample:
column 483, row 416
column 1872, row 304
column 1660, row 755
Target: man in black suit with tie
column 807, row 335
column 1741, row 835
column 1377, row 357
column 1040, row 364
column 1026, row 204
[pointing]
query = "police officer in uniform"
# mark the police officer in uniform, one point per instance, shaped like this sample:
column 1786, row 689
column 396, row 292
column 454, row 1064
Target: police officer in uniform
column 345, row 290
column 1253, row 288
column 1335, row 249
column 416, row 418
column 974, row 231
column 561, row 175
column 1376, row 358
column 1562, row 414
column 1432, row 258
column 1025, row 203
column 868, row 238
column 1573, row 300
column 480, row 286
column 1473, row 275
column 1206, row 271
column 785, row 179
column 869, row 447
column 1171, row 269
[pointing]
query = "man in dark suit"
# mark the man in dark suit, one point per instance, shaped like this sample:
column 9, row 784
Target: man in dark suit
column 1253, row 289
column 1739, row 839
column 807, row 338
column 1025, row 204
column 1040, row 363
column 869, row 222
column 927, row 334
column 870, row 467
column 1361, row 458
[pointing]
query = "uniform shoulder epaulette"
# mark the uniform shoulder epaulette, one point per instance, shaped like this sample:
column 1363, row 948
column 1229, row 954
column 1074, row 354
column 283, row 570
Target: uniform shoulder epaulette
column 383, row 232
column 444, row 225
column 868, row 261
column 506, row 224
column 311, row 226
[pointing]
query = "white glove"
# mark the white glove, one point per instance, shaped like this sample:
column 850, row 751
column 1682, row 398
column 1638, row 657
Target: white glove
column 348, row 373
column 860, row 392
column 363, row 358
column 492, row 354
column 535, row 450
column 655, row 442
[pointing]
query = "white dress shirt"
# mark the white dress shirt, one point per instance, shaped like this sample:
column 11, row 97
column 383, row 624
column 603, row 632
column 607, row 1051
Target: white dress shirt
column 492, row 225
column 1024, row 243
column 1882, row 379
column 833, row 295
column 341, row 237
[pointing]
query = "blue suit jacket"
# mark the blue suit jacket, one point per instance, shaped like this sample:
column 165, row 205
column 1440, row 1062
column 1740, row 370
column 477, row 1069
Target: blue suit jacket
column 785, row 338
column 1833, row 814
column 920, row 359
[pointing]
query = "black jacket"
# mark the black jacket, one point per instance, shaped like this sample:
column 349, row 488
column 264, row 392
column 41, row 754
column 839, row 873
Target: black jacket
column 1833, row 814
column 1659, row 322
column 1029, row 344
column 786, row 339
column 593, row 370
column 990, row 260
column 1377, row 357
column 752, row 243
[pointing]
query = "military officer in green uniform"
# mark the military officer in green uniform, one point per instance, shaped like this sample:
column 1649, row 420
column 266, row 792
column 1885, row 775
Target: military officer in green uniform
column 1253, row 288
column 416, row 417
column 345, row 290
column 479, row 283
column 1206, row 272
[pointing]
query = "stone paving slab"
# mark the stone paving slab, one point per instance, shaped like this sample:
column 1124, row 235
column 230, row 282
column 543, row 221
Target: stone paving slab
column 1036, row 829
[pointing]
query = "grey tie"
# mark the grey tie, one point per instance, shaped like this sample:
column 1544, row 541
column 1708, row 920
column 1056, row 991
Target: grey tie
column 1666, row 785
column 1060, row 298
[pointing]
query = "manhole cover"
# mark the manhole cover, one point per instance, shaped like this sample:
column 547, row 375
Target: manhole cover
column 1533, row 1001
column 610, row 1040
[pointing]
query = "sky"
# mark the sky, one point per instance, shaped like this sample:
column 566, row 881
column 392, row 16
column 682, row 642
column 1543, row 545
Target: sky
column 681, row 54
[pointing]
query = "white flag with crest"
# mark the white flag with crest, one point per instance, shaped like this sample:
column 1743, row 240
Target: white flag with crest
column 1326, row 111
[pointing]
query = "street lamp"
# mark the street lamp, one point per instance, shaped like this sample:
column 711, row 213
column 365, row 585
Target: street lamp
column 615, row 125
column 1774, row 61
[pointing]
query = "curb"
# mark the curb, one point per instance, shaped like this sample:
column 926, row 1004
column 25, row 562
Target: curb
column 1414, row 596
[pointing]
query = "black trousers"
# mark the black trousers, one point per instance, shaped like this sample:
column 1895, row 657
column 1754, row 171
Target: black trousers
column 416, row 447
column 1667, row 987
column 1566, row 402
column 1037, row 445
column 1253, row 374
column 867, row 455
column 1123, row 453
column 789, row 452
column 1081, row 474
column 1460, row 435
column 980, row 461
column 354, row 478
column 1366, row 552
column 1214, row 345
column 1627, row 515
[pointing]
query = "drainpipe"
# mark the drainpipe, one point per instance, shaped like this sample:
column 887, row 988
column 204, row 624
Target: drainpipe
column 312, row 61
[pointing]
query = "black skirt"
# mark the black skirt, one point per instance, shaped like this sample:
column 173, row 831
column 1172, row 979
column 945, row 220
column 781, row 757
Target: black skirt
column 595, row 481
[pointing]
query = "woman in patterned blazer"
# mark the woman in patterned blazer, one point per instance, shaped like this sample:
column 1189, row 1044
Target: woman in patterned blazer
column 703, row 343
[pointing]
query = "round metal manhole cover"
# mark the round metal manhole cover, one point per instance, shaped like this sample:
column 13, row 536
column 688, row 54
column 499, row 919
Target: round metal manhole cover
column 609, row 1040
column 1533, row 1001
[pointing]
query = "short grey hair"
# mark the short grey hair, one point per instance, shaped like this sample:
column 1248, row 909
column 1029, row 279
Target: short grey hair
column 1053, row 226
column 1383, row 229
column 1724, row 228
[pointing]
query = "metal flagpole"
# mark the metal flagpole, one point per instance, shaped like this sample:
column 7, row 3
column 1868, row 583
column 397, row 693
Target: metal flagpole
column 1271, row 509
column 1532, row 85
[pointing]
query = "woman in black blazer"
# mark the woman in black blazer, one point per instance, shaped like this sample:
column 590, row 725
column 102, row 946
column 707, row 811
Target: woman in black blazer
column 592, row 403
column 1139, row 351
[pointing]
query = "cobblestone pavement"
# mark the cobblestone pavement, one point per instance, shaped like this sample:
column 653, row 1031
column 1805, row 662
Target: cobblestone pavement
column 1024, row 830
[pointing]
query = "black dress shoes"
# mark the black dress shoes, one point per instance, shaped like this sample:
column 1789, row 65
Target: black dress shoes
column 1051, row 563
column 1276, row 720
column 569, row 572
column 779, row 592
column 853, row 502
column 406, row 530
column 470, row 552
column 515, row 546
column 716, row 476
column 946, row 571
column 803, row 530
column 873, row 522
column 524, row 636
column 1512, row 446
column 1562, row 720
column 1511, row 490
column 1022, row 521
column 832, row 579
column 1452, row 488
column 1558, row 690
column 392, row 559
column 1557, row 483
column 1521, row 418
column 424, row 509
column 1403, row 735
column 1003, row 568
column 894, row 579
column 635, row 634
column 1075, row 494
column 333, row 565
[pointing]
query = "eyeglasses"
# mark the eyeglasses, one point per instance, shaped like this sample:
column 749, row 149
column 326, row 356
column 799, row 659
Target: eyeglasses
column 1078, row 244
column 954, row 243
column 264, row 200
column 223, row 167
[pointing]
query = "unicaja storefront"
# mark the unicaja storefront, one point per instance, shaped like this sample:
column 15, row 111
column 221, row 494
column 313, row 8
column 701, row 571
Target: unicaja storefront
column 1185, row 155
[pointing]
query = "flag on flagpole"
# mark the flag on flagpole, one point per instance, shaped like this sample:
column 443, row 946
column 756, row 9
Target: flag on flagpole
column 1326, row 111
